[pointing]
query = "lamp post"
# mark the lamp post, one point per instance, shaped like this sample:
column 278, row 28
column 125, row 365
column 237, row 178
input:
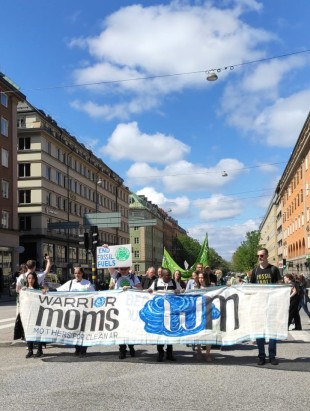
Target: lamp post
column 94, row 235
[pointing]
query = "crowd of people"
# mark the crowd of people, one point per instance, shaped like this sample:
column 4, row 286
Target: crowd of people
column 163, row 280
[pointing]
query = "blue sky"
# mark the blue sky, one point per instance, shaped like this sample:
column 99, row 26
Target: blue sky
column 171, row 137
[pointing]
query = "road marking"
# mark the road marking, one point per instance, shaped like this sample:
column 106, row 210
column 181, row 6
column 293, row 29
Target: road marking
column 300, row 335
column 7, row 319
column 7, row 326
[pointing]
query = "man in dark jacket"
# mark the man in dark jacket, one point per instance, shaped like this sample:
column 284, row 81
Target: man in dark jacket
column 148, row 279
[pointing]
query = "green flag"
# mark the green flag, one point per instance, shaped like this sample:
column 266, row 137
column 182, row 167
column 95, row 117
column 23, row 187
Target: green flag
column 168, row 262
column 203, row 256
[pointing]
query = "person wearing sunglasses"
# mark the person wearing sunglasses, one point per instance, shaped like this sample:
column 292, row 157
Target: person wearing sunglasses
column 265, row 273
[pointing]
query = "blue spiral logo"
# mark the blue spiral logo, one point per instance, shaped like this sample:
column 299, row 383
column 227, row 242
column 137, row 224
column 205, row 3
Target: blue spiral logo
column 99, row 302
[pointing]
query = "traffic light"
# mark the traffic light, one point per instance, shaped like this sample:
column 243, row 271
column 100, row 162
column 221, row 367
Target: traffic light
column 85, row 242
column 284, row 263
column 93, row 238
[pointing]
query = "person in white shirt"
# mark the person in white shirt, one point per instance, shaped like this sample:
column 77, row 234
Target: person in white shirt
column 78, row 284
column 166, row 283
column 31, row 267
column 122, row 279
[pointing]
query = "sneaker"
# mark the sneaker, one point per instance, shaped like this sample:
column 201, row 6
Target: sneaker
column 29, row 354
column 132, row 351
column 261, row 361
column 38, row 354
column 273, row 361
column 82, row 354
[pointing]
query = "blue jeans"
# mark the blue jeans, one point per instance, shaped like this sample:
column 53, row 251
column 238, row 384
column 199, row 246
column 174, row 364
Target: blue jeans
column 261, row 347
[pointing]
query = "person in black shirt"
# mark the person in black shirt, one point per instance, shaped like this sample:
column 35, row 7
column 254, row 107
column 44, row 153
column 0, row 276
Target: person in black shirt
column 265, row 273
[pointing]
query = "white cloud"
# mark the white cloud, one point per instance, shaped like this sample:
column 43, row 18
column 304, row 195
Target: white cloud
column 178, row 206
column 281, row 123
column 128, row 142
column 185, row 176
column 256, row 107
column 218, row 207
column 137, row 41
column 225, row 240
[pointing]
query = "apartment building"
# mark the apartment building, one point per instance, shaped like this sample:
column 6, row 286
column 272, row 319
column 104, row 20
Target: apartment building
column 9, row 235
column 292, row 205
column 151, row 229
column 59, row 181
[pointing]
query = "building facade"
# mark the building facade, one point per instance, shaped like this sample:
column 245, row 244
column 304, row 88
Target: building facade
column 292, row 209
column 60, row 181
column 9, row 235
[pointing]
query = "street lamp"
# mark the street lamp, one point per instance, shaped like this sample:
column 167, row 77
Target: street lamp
column 98, row 183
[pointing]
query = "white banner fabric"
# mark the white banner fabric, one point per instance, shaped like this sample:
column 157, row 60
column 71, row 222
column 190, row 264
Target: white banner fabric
column 218, row 315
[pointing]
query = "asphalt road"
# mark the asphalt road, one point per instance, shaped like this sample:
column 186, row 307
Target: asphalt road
column 101, row 381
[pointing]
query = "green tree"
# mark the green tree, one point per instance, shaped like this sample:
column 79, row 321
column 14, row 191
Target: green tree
column 185, row 248
column 244, row 258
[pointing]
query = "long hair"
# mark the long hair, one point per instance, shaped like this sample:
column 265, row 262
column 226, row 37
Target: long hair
column 36, row 282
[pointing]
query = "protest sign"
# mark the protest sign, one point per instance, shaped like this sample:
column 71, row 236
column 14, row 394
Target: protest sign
column 222, row 315
column 114, row 256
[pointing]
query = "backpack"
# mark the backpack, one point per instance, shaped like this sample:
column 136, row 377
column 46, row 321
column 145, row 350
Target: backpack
column 156, row 281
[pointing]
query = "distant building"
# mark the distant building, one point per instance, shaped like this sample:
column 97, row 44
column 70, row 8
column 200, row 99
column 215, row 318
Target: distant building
column 9, row 235
column 60, row 180
column 151, row 228
column 285, row 229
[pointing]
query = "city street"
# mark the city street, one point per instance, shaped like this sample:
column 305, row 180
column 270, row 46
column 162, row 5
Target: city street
column 233, row 381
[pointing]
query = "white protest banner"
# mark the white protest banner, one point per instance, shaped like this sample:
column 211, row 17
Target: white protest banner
column 114, row 256
column 220, row 316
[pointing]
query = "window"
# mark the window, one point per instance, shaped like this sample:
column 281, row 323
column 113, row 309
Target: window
column 58, row 178
column 137, row 254
column 49, row 147
column 49, row 199
column 4, row 157
column 5, row 189
column 4, row 99
column 48, row 172
column 24, row 196
column 58, row 202
column 24, row 170
column 136, row 240
column 25, row 223
column 137, row 268
column 4, row 127
column 24, row 143
column 136, row 228
column 5, row 219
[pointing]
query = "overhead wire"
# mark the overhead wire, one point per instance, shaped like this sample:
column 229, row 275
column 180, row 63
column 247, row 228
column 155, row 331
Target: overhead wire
column 152, row 77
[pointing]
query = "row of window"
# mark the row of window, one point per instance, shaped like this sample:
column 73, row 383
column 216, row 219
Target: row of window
column 24, row 143
column 293, row 206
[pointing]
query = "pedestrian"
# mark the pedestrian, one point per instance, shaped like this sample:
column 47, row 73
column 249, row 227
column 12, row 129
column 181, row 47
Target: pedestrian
column 204, row 283
column 32, row 283
column 303, row 295
column 148, row 278
column 78, row 284
column 31, row 267
column 265, row 273
column 192, row 283
column 177, row 276
column 165, row 283
column 124, row 280
column 293, row 313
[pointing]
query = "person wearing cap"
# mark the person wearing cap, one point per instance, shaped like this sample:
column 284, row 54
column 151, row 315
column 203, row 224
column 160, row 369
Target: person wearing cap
column 122, row 279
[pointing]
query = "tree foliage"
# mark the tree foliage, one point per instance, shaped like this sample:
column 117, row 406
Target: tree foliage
column 244, row 258
column 187, row 248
